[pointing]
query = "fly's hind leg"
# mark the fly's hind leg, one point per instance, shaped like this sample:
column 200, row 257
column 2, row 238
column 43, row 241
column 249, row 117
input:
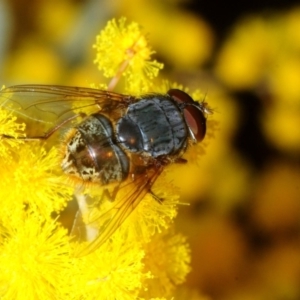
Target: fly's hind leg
column 155, row 197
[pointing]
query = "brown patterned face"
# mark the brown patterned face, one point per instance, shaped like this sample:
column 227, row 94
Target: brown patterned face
column 116, row 138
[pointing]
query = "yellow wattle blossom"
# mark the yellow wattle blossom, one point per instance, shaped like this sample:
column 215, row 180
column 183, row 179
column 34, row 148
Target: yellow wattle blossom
column 34, row 256
column 167, row 258
column 114, row 271
column 31, row 181
column 142, row 258
column 122, row 50
column 262, row 54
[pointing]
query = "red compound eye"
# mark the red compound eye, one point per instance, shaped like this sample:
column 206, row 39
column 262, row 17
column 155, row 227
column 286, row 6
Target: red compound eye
column 193, row 114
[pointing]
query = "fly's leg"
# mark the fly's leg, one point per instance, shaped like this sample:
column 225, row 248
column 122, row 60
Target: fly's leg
column 155, row 197
column 180, row 160
column 111, row 196
column 165, row 161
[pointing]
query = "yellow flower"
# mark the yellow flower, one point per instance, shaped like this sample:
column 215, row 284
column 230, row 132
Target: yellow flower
column 167, row 258
column 122, row 50
column 31, row 181
column 114, row 271
column 34, row 255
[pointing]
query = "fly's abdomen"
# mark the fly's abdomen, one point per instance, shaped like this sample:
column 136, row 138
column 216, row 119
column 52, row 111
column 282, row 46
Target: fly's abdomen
column 92, row 155
column 154, row 125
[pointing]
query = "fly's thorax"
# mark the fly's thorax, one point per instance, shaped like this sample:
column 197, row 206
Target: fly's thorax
column 91, row 153
column 153, row 126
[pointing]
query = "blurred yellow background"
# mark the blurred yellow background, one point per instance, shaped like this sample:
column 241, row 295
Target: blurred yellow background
column 243, row 221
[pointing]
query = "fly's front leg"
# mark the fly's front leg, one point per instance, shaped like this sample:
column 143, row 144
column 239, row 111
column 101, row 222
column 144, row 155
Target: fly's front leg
column 158, row 166
column 110, row 195
column 180, row 160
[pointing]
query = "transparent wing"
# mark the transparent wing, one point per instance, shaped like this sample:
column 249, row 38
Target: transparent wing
column 48, row 107
column 51, row 109
column 129, row 195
